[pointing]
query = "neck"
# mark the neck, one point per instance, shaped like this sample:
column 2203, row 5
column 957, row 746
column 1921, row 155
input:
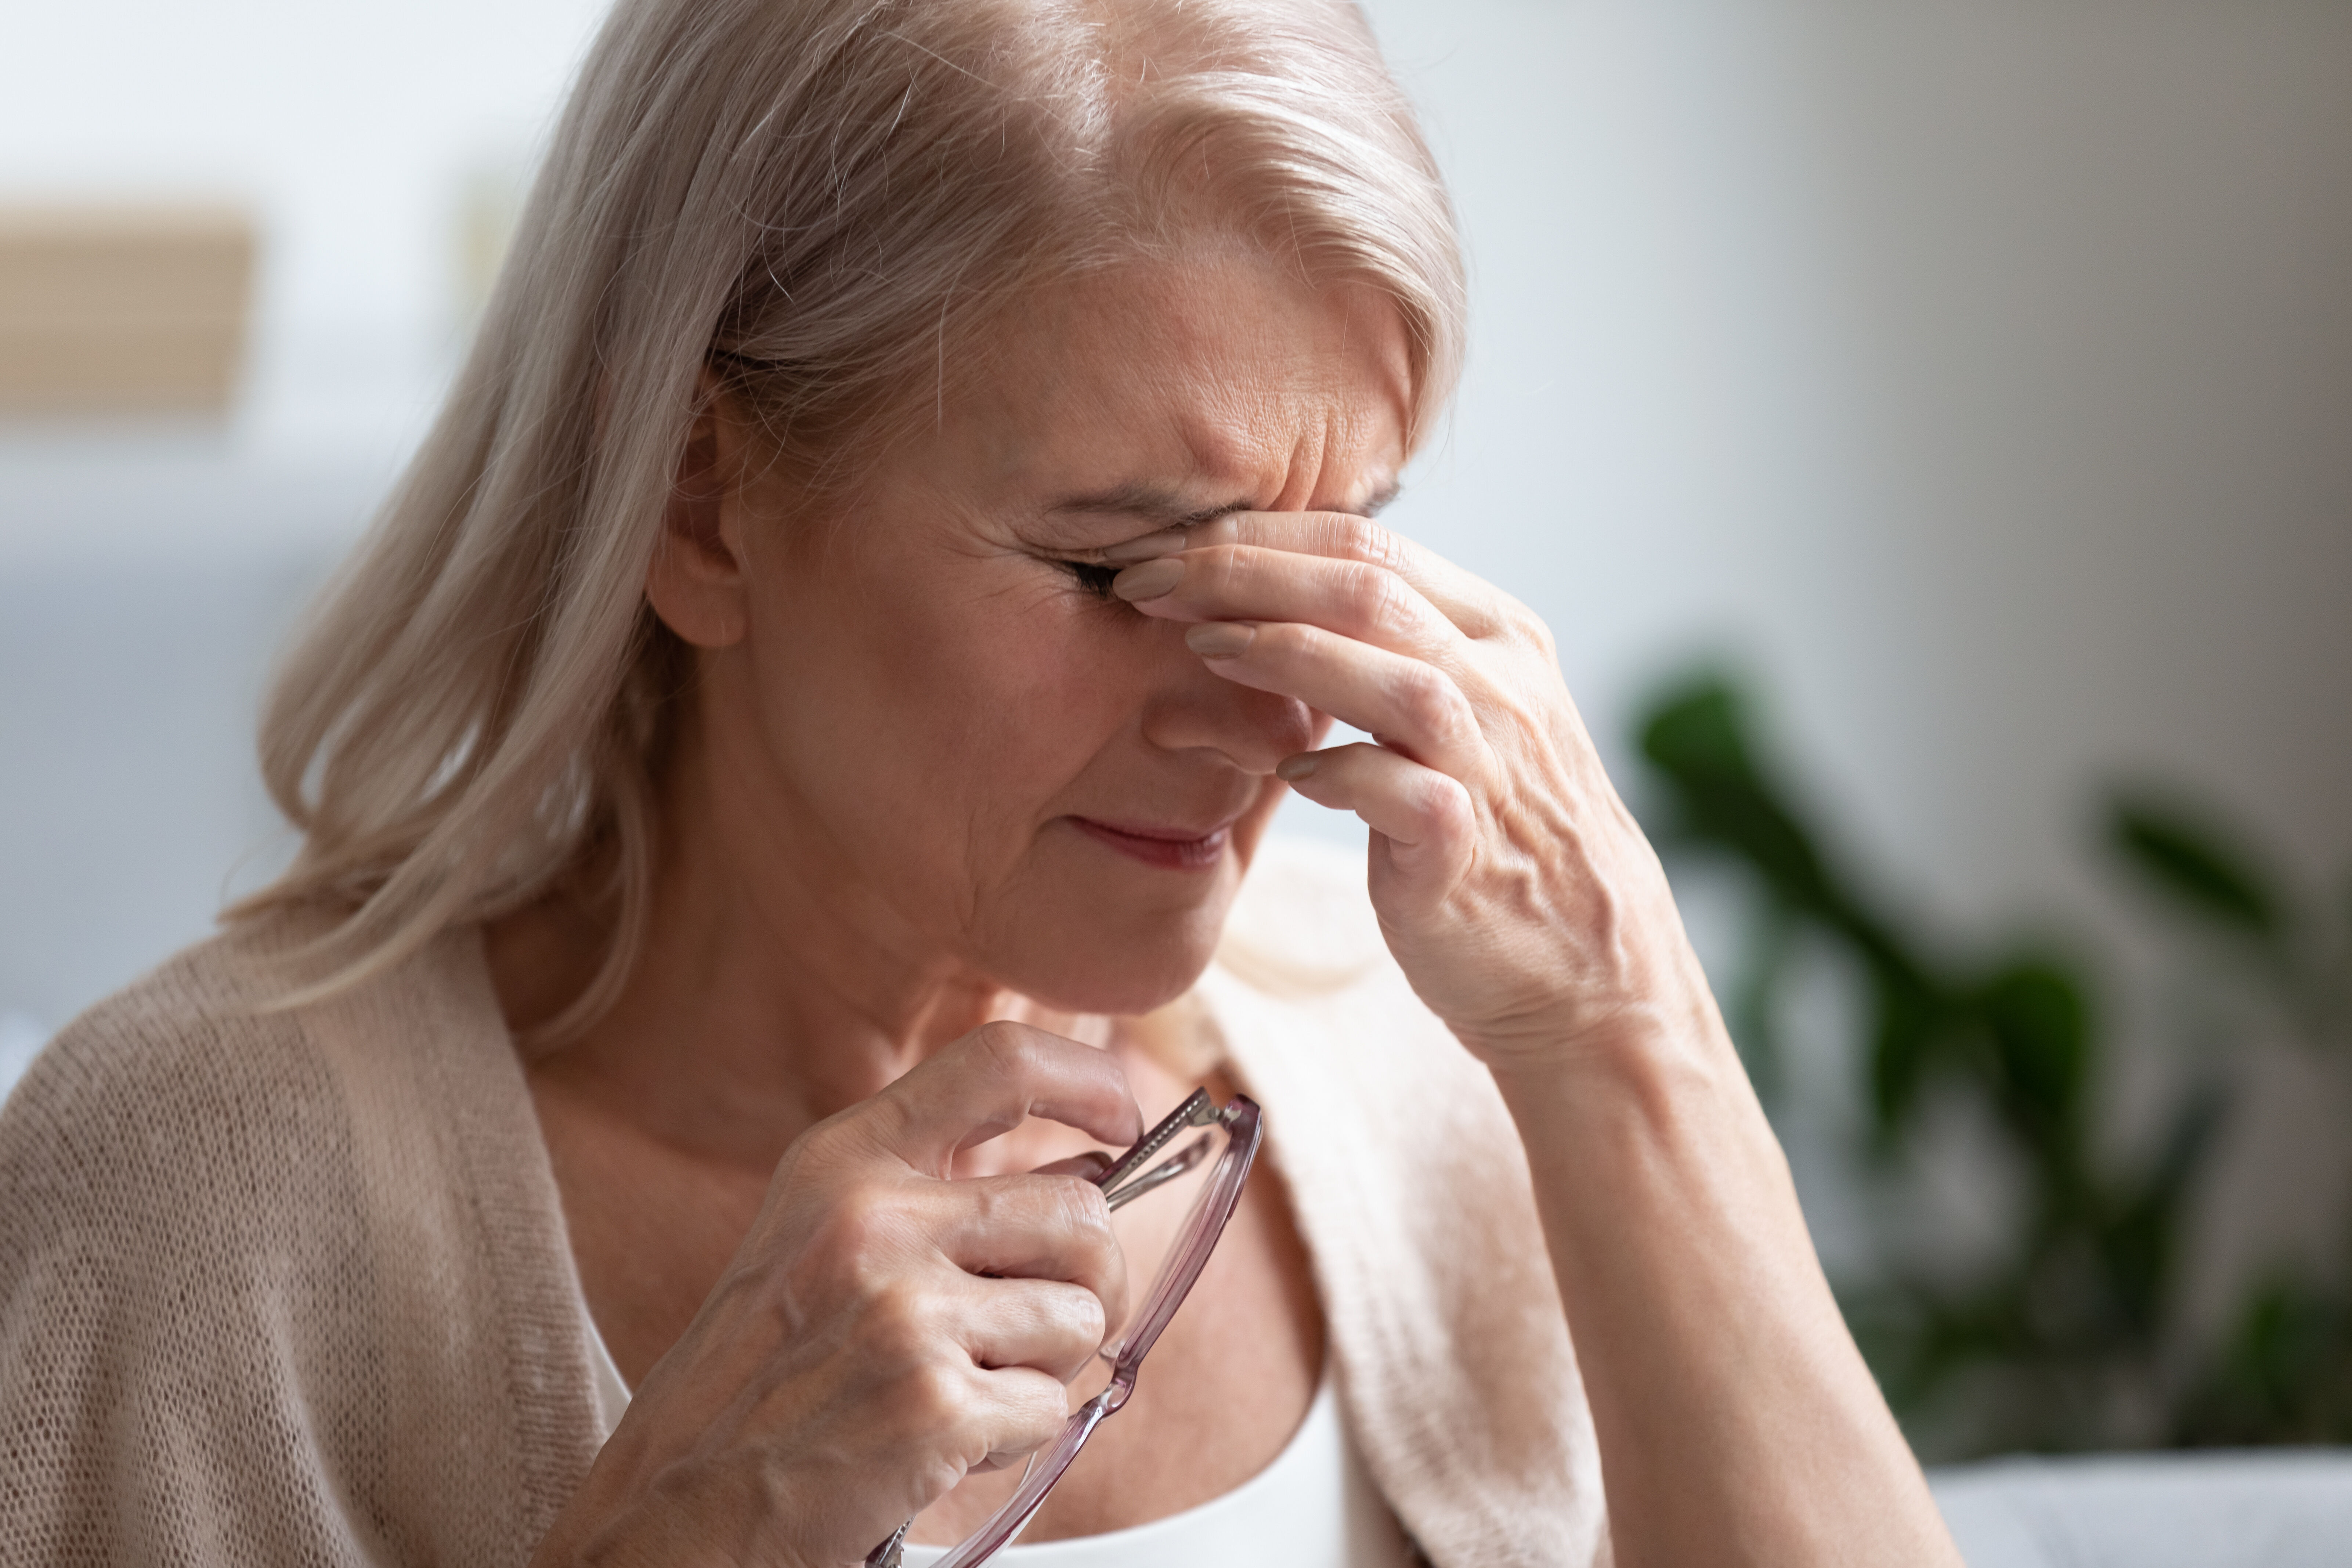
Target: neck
column 774, row 988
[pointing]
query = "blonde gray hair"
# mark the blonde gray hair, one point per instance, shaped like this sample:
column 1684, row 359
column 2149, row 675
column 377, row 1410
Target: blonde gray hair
column 827, row 202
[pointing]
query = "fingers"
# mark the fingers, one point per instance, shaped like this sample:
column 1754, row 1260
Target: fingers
column 978, row 1366
column 1469, row 601
column 1413, row 706
column 975, row 1416
column 1029, row 1228
column 1015, row 1413
column 1425, row 816
column 987, row 1083
column 1038, row 1324
column 1233, row 583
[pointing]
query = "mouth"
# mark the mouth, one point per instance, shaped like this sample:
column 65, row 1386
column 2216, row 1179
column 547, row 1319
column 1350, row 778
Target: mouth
column 1168, row 849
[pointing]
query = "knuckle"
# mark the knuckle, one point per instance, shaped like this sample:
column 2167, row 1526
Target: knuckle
column 861, row 1223
column 1083, row 1206
column 1523, row 625
column 897, row 1325
column 1389, row 610
column 1448, row 810
column 1006, row 1047
column 1362, row 584
column 1431, row 702
column 996, row 1206
column 1358, row 538
column 1217, row 569
column 1085, row 1214
column 1086, row 1318
column 1079, row 1216
column 1383, row 547
column 1060, row 1211
column 1283, row 640
column 838, row 1143
column 933, row 1396
column 1042, row 1407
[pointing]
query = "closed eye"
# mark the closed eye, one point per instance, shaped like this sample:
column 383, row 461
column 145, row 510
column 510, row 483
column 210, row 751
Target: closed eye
column 1092, row 575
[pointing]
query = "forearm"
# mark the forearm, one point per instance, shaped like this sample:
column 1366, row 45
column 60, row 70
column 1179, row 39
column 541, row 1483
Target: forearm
column 1737, row 1421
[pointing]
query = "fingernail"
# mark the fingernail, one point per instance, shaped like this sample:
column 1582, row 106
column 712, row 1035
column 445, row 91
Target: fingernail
column 1150, row 547
column 1219, row 639
column 1148, row 581
column 1290, row 770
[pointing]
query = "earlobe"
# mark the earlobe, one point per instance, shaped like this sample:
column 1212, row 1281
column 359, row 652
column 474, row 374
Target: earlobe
column 696, row 581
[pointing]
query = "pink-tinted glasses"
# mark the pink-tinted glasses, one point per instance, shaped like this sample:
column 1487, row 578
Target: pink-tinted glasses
column 1230, row 1138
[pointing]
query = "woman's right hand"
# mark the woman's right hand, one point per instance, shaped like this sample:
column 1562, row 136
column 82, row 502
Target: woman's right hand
column 882, row 1329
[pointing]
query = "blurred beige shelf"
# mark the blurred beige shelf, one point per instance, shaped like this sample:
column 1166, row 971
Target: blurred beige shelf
column 123, row 310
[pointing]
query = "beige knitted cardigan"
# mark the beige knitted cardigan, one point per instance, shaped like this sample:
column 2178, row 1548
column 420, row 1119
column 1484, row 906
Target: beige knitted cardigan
column 295, row 1288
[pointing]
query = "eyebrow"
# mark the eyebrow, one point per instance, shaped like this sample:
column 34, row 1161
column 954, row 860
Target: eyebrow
column 1166, row 508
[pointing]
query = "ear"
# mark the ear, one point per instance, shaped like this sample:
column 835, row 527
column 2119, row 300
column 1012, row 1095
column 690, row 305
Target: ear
column 696, row 581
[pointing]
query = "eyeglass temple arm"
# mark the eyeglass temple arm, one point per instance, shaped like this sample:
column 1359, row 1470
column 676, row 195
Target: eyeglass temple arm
column 892, row 1551
column 1198, row 1110
column 1185, row 1159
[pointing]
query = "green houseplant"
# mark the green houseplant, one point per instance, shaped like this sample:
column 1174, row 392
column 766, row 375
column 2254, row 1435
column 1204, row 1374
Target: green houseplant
column 2070, row 1337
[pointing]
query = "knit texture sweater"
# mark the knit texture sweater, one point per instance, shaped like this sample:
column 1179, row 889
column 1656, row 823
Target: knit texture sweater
column 294, row 1286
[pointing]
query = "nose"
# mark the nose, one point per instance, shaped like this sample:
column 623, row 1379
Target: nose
column 1195, row 710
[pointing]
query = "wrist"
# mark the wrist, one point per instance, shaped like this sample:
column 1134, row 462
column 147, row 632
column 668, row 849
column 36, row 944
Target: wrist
column 1676, row 1027
column 1649, row 1111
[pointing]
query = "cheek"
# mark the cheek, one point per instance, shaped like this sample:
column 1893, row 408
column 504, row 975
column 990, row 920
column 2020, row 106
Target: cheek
column 1030, row 696
column 953, row 724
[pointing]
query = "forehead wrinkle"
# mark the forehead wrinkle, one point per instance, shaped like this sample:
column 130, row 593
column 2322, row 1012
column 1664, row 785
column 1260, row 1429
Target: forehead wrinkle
column 1265, row 447
column 1238, row 398
column 1246, row 437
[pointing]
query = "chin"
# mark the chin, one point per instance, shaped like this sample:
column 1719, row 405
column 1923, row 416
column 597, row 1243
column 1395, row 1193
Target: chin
column 1114, row 957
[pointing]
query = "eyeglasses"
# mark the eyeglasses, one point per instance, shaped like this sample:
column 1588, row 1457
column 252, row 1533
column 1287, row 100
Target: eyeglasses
column 1231, row 1137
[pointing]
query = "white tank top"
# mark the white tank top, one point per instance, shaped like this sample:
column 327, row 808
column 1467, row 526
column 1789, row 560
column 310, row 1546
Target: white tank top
column 1313, row 1507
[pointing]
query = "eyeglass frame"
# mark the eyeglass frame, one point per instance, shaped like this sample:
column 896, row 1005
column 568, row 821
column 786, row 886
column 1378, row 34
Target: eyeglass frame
column 1123, row 1180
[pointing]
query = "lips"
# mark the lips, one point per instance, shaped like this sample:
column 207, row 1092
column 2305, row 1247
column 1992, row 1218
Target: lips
column 1168, row 849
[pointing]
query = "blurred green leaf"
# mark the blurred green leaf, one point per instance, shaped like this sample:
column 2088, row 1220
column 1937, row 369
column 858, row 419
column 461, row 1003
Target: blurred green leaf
column 1699, row 731
column 2142, row 1243
column 2286, row 1372
column 1697, row 738
column 2068, row 1337
column 1909, row 1018
column 2188, row 862
column 2039, row 1023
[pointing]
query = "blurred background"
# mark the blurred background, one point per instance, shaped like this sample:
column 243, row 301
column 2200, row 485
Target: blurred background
column 1927, row 427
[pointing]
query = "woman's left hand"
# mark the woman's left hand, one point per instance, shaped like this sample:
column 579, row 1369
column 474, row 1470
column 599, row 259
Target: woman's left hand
column 1513, row 886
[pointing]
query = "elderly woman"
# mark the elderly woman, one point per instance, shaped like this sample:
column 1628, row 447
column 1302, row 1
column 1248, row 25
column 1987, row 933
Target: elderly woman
column 773, row 789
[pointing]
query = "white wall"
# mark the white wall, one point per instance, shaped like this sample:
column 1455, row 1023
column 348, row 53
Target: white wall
column 1980, row 373
column 1985, row 371
column 354, row 131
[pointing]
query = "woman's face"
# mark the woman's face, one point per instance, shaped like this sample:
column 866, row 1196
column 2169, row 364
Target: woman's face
column 937, row 719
